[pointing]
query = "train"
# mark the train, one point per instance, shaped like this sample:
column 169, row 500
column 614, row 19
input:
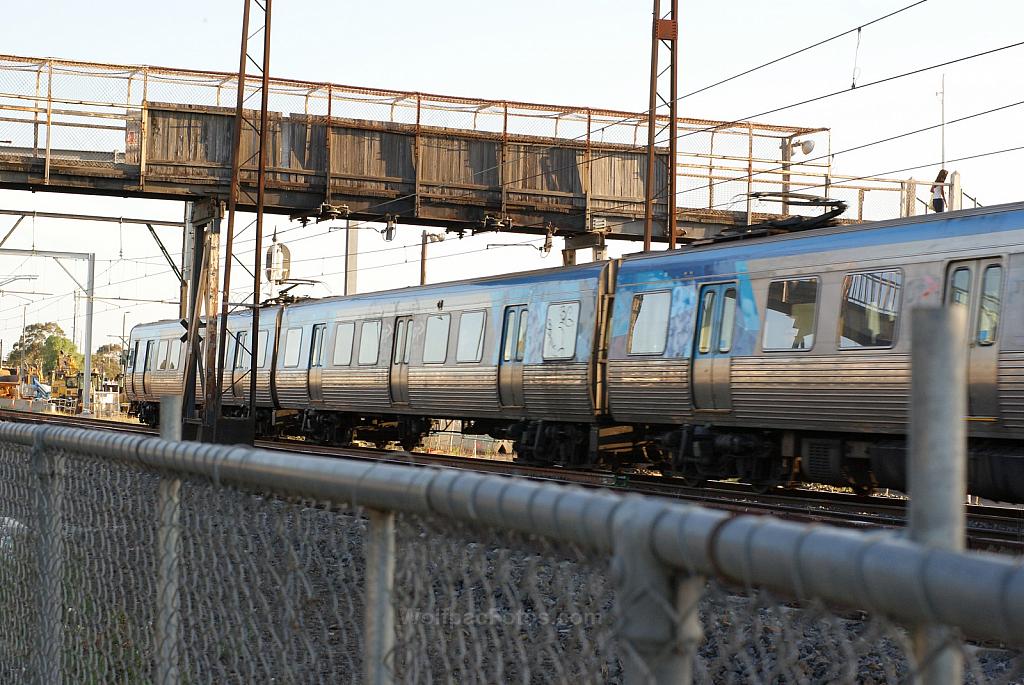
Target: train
column 774, row 359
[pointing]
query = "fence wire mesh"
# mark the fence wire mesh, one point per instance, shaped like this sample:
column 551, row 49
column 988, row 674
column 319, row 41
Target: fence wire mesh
column 116, row 573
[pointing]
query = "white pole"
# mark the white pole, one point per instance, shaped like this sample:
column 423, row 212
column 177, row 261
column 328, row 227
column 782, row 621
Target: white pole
column 351, row 258
column 87, row 382
column 942, row 106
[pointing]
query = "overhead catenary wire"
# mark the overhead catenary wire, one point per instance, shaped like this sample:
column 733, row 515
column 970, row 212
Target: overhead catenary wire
column 861, row 146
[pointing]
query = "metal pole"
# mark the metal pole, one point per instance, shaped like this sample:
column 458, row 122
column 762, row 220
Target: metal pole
column 658, row 608
column 938, row 462
column 673, row 129
column 168, row 553
column 21, row 357
column 48, row 469
column 232, row 206
column 652, row 106
column 351, row 258
column 90, row 291
column 942, row 107
column 423, row 258
column 187, row 246
column 380, row 615
column 260, row 188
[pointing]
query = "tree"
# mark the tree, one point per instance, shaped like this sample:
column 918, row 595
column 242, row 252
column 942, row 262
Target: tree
column 60, row 354
column 107, row 360
column 29, row 348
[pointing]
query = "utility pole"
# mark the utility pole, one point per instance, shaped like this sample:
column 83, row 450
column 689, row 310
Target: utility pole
column 942, row 110
column 664, row 34
column 351, row 258
column 423, row 258
column 21, row 360
column 424, row 239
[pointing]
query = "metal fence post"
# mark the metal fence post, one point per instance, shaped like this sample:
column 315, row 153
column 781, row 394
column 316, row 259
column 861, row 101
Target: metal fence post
column 657, row 609
column 168, row 554
column 379, row 646
column 938, row 463
column 48, row 468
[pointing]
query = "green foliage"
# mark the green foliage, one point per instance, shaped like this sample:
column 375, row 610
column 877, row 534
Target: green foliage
column 29, row 348
column 59, row 353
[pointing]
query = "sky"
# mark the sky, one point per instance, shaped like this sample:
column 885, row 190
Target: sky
column 574, row 52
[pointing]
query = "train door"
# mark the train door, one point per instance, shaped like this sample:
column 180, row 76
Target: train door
column 316, row 363
column 239, row 364
column 510, row 366
column 398, row 377
column 977, row 285
column 133, row 363
column 712, row 344
column 147, row 366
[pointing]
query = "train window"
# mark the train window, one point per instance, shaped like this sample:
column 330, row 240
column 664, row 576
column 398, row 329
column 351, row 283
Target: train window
column 161, row 355
column 150, row 360
column 560, row 330
column 988, row 309
column 521, row 338
column 369, row 342
column 470, row 345
column 241, row 358
column 261, row 341
column 707, row 321
column 960, row 287
column 728, row 320
column 133, row 356
column 343, row 334
column 648, row 327
column 399, row 341
column 292, row 347
column 316, row 348
column 789, row 314
column 435, row 342
column 869, row 309
column 510, row 322
column 174, row 356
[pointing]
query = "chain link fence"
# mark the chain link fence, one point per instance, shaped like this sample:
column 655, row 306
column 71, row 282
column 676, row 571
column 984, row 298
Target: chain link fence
column 129, row 559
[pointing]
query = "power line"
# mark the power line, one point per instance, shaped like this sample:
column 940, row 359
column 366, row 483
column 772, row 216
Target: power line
column 801, row 50
column 862, row 146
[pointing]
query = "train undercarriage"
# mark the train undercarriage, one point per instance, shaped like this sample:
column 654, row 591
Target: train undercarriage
column 695, row 454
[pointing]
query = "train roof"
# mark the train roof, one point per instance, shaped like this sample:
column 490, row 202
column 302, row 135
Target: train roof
column 947, row 224
column 993, row 218
column 551, row 274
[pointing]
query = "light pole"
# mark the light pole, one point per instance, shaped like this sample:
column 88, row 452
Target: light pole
column 942, row 110
column 424, row 239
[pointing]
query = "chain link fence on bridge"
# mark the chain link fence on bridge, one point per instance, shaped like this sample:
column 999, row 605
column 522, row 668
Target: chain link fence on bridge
column 128, row 559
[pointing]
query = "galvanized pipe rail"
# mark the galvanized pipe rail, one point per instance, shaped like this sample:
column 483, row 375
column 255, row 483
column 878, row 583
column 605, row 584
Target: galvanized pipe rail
column 989, row 528
column 660, row 550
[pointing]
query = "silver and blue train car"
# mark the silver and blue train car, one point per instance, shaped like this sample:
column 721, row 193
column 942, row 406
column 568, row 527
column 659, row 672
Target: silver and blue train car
column 495, row 353
column 789, row 356
column 512, row 356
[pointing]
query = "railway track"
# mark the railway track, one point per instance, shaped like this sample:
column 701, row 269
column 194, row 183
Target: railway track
column 991, row 528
